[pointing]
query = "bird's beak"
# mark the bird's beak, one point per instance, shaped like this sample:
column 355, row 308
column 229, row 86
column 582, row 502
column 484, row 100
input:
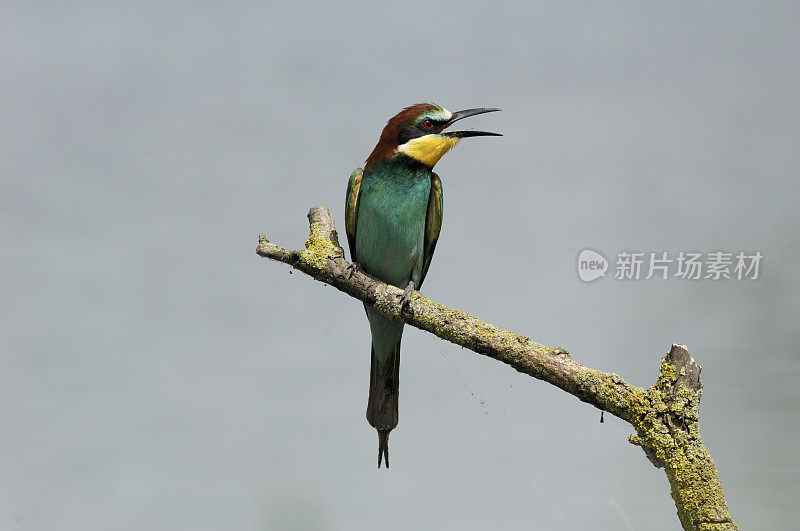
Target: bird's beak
column 458, row 115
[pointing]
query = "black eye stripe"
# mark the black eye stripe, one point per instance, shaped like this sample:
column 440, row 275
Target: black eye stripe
column 434, row 125
column 407, row 133
column 410, row 132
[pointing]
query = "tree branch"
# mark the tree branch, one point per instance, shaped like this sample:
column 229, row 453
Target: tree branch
column 664, row 415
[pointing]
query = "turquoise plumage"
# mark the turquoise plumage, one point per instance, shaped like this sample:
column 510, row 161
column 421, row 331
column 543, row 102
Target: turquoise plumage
column 393, row 217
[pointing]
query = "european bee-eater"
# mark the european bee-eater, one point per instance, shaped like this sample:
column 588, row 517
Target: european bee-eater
column 393, row 215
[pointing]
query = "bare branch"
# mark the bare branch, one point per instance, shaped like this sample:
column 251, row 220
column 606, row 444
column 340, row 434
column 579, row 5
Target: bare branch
column 664, row 415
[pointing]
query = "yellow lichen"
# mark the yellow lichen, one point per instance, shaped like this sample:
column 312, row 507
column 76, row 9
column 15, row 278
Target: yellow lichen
column 318, row 248
column 615, row 395
column 384, row 303
column 667, row 428
column 464, row 329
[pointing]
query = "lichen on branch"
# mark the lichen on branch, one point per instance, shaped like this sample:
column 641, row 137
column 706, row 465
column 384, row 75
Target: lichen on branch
column 665, row 415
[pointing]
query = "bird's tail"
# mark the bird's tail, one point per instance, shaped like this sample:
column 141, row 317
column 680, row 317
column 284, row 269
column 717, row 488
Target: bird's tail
column 384, row 382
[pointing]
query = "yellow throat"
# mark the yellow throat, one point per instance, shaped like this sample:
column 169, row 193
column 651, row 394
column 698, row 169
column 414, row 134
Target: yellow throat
column 428, row 149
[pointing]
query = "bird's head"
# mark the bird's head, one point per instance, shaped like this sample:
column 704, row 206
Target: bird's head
column 418, row 132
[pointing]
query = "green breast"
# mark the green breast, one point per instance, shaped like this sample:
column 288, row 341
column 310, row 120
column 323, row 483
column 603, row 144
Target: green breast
column 391, row 222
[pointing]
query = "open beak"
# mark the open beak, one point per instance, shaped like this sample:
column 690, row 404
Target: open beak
column 458, row 115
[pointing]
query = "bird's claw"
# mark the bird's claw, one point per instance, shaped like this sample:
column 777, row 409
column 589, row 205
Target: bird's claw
column 353, row 267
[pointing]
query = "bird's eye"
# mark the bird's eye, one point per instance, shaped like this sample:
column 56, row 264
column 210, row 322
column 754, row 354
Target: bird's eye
column 427, row 124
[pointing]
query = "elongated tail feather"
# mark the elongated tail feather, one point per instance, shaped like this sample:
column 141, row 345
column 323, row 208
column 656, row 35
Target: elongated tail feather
column 384, row 382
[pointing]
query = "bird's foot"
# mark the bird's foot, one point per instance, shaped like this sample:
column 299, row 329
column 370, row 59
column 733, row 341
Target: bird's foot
column 405, row 299
column 353, row 267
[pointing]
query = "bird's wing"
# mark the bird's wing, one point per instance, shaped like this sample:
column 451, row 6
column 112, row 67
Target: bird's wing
column 433, row 225
column 351, row 209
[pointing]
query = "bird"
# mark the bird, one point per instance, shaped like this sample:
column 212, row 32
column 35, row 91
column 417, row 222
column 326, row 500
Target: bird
column 393, row 217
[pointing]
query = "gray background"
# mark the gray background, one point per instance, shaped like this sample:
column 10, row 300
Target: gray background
column 158, row 375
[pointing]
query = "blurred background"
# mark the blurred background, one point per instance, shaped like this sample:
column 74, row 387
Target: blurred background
column 157, row 374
